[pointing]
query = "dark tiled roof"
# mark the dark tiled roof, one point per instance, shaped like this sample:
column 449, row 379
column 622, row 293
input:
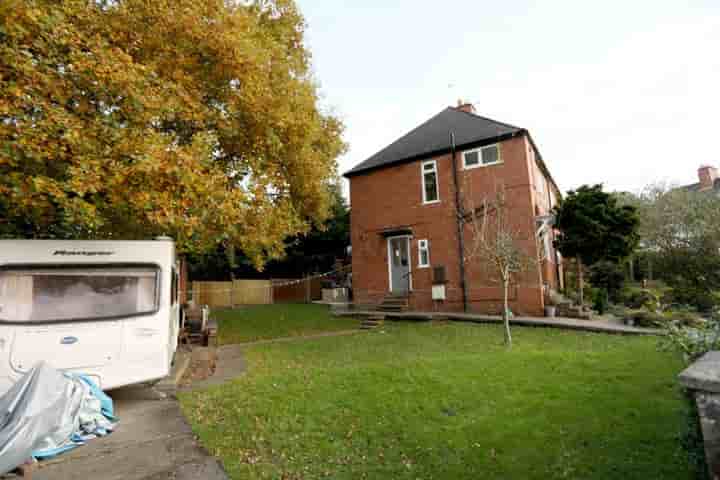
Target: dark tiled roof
column 433, row 138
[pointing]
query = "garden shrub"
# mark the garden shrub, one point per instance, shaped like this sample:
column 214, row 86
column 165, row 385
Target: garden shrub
column 685, row 318
column 600, row 300
column 631, row 297
column 649, row 319
column 700, row 298
column 692, row 341
column 620, row 311
column 641, row 298
column 641, row 317
column 609, row 276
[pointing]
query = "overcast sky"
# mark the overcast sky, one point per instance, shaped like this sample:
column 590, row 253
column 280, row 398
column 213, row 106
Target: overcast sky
column 619, row 92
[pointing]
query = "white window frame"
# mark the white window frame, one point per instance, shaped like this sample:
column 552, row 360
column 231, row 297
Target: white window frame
column 423, row 244
column 422, row 180
column 479, row 152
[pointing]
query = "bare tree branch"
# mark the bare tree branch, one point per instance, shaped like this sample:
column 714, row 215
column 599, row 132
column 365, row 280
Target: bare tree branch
column 497, row 244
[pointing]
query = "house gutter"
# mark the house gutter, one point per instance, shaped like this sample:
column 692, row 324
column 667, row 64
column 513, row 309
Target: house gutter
column 459, row 216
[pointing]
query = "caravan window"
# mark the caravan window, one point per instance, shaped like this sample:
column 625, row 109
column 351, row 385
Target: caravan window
column 66, row 293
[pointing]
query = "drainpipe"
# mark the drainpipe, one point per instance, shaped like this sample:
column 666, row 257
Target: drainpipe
column 459, row 218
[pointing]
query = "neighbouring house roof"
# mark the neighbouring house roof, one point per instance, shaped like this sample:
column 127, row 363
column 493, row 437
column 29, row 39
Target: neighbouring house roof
column 432, row 138
column 695, row 187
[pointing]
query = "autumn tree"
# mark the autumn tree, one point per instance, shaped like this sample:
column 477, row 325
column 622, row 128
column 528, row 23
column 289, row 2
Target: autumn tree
column 318, row 249
column 594, row 226
column 496, row 244
column 682, row 230
column 311, row 252
column 191, row 118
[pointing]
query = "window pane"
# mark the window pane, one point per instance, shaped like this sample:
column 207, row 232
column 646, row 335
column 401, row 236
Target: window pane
column 431, row 193
column 472, row 158
column 429, row 167
column 490, row 155
column 396, row 257
column 76, row 294
column 423, row 253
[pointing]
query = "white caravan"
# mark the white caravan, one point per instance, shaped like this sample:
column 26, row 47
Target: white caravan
column 108, row 309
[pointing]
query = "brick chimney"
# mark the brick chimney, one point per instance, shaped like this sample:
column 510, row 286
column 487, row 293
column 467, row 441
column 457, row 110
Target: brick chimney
column 465, row 106
column 707, row 175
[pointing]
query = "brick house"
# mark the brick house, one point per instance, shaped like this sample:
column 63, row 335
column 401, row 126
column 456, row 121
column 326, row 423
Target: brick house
column 708, row 180
column 404, row 222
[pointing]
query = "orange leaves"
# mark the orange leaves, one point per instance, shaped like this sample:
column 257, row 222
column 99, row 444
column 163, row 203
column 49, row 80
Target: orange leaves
column 193, row 119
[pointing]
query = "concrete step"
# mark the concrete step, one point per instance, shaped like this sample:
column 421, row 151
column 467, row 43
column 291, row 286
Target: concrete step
column 373, row 321
column 403, row 300
column 392, row 306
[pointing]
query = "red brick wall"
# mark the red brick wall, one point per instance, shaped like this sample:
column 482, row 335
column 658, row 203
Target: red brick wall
column 545, row 198
column 392, row 197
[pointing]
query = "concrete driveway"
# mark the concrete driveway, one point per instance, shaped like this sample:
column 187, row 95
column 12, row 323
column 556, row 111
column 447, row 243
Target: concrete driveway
column 152, row 442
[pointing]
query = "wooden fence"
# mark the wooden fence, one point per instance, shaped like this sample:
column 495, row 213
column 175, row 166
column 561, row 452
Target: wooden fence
column 256, row 292
column 297, row 291
column 229, row 294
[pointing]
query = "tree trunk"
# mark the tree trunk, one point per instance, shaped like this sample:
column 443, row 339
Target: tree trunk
column 506, row 316
column 581, row 282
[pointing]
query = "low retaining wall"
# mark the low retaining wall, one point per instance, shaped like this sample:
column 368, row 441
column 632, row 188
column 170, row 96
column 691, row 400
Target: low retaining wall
column 702, row 379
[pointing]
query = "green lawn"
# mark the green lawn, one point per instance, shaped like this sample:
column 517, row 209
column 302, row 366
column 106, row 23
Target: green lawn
column 449, row 401
column 275, row 321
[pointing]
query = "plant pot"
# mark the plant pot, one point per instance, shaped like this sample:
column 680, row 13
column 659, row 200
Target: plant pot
column 550, row 311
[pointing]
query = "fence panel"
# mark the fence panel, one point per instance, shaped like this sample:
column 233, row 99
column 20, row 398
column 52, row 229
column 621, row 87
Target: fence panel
column 299, row 291
column 229, row 294
column 316, row 289
column 213, row 294
column 252, row 292
column 285, row 292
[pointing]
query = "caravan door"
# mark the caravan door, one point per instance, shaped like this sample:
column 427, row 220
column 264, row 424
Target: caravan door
column 72, row 315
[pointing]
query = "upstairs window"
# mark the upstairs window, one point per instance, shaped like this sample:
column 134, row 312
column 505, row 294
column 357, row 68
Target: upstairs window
column 430, row 182
column 423, row 254
column 482, row 157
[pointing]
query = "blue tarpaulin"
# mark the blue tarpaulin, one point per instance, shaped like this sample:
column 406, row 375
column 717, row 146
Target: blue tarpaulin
column 48, row 412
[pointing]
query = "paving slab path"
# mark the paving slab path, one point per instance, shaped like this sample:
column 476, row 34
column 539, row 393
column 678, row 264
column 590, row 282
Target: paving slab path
column 602, row 326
